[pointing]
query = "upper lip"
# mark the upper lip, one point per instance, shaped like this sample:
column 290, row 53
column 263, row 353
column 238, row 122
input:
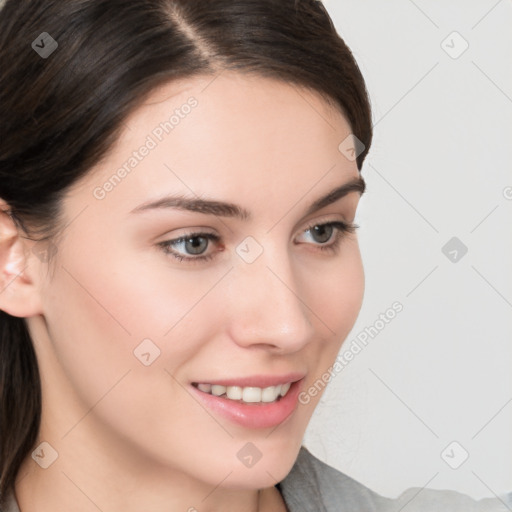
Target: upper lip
column 257, row 381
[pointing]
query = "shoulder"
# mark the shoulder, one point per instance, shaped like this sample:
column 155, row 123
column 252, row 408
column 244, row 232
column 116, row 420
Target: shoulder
column 313, row 486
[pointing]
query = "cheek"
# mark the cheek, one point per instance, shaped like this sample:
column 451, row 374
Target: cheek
column 336, row 297
column 129, row 295
column 97, row 313
column 336, row 291
column 100, row 308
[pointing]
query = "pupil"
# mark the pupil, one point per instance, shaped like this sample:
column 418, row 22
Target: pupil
column 197, row 242
column 322, row 231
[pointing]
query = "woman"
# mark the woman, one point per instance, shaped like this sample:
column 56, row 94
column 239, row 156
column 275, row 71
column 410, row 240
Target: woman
column 178, row 184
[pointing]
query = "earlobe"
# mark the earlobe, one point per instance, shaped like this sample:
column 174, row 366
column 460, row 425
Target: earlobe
column 19, row 295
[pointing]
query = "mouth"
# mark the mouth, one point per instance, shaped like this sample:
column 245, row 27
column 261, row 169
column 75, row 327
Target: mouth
column 252, row 402
column 247, row 394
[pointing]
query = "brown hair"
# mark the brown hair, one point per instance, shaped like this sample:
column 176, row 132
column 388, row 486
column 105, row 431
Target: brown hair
column 62, row 110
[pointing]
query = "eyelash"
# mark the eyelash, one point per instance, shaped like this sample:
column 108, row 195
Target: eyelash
column 342, row 229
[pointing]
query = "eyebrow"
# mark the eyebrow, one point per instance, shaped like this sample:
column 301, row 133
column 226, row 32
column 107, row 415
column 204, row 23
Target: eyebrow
column 223, row 209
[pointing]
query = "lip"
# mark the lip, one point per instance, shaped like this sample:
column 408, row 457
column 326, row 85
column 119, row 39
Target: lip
column 257, row 381
column 255, row 415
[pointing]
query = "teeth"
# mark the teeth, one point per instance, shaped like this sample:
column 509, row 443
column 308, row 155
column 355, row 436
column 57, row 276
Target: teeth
column 234, row 392
column 269, row 394
column 285, row 388
column 218, row 390
column 207, row 388
column 251, row 395
column 248, row 394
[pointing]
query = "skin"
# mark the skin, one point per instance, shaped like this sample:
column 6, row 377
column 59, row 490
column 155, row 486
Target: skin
column 130, row 437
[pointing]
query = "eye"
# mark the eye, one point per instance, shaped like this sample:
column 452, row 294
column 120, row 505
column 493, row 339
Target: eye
column 192, row 247
column 193, row 244
column 334, row 231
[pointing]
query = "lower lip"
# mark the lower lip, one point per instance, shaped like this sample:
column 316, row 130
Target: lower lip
column 255, row 415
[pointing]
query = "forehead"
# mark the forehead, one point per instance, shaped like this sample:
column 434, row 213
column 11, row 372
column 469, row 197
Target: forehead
column 224, row 136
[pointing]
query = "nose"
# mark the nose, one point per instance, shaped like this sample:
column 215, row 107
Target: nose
column 268, row 307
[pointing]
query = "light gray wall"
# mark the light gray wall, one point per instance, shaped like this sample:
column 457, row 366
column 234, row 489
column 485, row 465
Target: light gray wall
column 439, row 168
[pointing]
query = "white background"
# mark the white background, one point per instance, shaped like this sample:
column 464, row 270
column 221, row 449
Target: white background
column 438, row 167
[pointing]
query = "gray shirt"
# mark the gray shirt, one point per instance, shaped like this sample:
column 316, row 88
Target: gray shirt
column 313, row 486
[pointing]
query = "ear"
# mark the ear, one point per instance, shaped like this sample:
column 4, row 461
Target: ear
column 19, row 295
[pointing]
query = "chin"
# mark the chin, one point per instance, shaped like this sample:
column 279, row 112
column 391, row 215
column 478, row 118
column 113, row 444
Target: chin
column 258, row 477
column 276, row 460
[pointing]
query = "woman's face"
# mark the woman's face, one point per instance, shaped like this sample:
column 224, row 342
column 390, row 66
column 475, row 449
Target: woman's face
column 132, row 322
